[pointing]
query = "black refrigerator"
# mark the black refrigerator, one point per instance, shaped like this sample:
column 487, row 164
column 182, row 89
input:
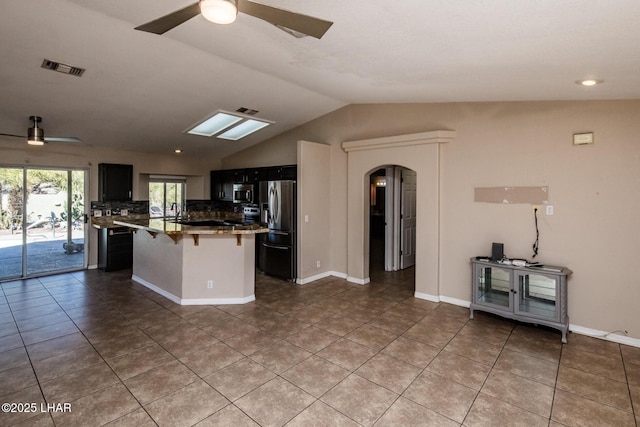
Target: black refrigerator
column 277, row 248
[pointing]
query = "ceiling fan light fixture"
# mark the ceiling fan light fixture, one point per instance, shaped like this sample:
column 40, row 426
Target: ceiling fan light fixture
column 219, row 11
column 35, row 135
column 589, row 82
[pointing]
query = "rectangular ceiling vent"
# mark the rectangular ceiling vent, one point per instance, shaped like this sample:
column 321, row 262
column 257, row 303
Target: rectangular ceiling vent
column 247, row 111
column 48, row 64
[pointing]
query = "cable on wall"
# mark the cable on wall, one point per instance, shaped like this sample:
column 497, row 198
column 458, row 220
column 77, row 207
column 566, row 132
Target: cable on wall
column 535, row 244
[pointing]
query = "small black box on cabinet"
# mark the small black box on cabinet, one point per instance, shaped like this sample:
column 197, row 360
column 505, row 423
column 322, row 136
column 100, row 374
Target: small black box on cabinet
column 497, row 251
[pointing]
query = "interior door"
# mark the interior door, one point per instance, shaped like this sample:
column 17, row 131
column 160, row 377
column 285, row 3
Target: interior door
column 408, row 219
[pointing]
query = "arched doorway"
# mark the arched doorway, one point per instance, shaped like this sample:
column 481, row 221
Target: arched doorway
column 392, row 225
column 421, row 153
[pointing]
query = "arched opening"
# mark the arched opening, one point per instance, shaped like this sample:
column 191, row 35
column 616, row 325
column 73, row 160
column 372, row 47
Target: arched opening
column 420, row 153
column 392, row 227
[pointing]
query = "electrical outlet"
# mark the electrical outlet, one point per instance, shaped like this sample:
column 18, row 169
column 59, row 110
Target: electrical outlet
column 549, row 209
column 209, row 284
column 317, row 264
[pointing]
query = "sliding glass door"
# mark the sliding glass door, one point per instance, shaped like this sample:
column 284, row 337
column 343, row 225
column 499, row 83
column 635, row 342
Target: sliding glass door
column 42, row 228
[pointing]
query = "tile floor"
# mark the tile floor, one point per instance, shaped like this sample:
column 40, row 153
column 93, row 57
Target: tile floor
column 328, row 353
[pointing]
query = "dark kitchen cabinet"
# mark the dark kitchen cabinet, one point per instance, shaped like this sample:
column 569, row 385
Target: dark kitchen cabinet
column 251, row 176
column 222, row 180
column 115, row 182
column 283, row 172
column 222, row 185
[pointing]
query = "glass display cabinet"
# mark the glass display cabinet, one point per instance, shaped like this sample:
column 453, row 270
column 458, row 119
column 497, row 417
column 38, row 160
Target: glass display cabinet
column 529, row 294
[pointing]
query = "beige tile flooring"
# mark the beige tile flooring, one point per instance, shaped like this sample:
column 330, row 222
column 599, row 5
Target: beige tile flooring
column 328, row 353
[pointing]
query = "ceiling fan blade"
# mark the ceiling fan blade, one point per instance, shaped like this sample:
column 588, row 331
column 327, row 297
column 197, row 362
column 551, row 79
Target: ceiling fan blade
column 63, row 139
column 12, row 135
column 309, row 25
column 172, row 20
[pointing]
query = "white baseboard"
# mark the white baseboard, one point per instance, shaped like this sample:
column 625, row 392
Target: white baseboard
column 218, row 301
column 427, row 297
column 455, row 301
column 310, row 279
column 193, row 301
column 313, row 278
column 156, row 289
column 607, row 336
column 358, row 281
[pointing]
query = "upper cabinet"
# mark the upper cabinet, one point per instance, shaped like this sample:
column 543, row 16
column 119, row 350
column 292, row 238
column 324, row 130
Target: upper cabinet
column 115, row 182
column 222, row 180
column 283, row 172
column 251, row 176
column 222, row 185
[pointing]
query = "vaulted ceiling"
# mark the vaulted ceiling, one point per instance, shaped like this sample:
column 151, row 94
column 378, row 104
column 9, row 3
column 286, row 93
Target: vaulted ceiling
column 141, row 91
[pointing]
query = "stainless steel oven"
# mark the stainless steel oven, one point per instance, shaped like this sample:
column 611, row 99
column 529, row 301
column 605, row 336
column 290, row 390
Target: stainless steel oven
column 242, row 193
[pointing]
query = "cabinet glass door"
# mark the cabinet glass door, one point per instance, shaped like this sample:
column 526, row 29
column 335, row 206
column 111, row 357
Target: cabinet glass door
column 537, row 295
column 493, row 286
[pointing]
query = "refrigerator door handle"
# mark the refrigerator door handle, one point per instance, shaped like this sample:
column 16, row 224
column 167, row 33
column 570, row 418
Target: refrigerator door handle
column 282, row 248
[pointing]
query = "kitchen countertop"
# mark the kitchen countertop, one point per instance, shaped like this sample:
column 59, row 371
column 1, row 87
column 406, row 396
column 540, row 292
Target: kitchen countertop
column 171, row 228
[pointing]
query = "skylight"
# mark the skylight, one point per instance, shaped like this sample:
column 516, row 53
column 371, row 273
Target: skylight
column 243, row 129
column 214, row 124
column 226, row 125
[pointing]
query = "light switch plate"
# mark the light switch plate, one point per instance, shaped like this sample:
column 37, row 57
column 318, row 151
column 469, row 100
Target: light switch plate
column 549, row 209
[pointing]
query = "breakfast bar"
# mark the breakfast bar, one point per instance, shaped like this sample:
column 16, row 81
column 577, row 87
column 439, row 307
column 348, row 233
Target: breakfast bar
column 195, row 262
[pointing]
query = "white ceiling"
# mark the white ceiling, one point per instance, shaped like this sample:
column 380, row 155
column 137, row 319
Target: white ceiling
column 141, row 91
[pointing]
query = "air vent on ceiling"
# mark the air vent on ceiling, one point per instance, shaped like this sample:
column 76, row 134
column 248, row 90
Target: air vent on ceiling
column 247, row 111
column 62, row 68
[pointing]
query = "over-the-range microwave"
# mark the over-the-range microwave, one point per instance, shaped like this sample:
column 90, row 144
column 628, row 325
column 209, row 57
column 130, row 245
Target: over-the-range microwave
column 242, row 193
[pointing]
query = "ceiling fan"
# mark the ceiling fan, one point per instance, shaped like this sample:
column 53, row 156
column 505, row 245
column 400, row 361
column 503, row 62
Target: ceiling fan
column 35, row 134
column 225, row 11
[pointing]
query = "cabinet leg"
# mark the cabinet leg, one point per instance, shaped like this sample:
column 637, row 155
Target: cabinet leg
column 471, row 313
column 564, row 336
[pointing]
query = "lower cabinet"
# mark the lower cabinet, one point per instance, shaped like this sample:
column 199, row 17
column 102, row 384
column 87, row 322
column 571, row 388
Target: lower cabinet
column 115, row 249
column 529, row 294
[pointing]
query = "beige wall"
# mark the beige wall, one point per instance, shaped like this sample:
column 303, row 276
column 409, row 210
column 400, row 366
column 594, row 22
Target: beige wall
column 314, row 208
column 595, row 191
column 15, row 152
column 181, row 270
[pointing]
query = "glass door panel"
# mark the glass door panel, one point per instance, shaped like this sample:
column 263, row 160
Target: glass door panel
column 42, row 226
column 494, row 285
column 166, row 197
column 537, row 295
column 55, row 207
column 11, row 216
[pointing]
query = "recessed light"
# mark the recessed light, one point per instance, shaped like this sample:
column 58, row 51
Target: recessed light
column 589, row 82
column 177, row 151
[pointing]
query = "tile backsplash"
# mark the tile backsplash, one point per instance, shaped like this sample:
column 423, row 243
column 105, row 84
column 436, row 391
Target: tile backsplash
column 118, row 208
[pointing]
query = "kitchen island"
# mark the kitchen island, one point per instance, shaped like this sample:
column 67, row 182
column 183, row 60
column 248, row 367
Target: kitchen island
column 196, row 262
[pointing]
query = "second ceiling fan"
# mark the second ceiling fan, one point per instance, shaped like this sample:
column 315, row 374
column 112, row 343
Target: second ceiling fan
column 225, row 11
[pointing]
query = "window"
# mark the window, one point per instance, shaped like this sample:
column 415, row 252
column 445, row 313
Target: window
column 166, row 195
